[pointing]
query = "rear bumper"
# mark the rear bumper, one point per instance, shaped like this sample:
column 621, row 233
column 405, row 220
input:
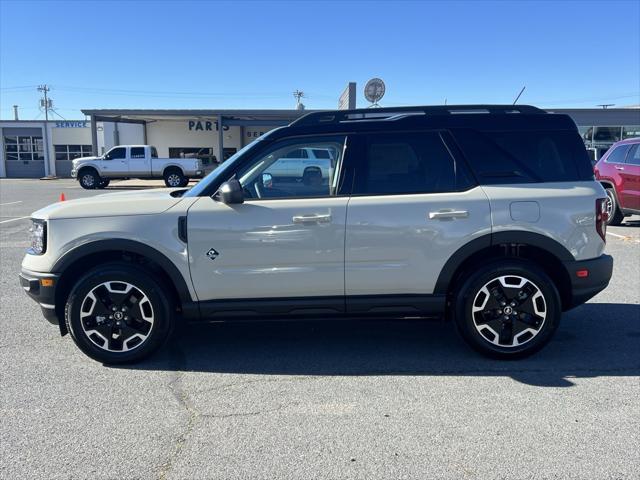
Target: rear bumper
column 583, row 288
column 32, row 283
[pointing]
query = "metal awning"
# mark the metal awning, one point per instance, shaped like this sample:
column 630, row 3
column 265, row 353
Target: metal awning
column 242, row 118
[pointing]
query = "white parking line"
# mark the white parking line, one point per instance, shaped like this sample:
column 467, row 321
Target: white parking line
column 616, row 235
column 13, row 219
column 10, row 203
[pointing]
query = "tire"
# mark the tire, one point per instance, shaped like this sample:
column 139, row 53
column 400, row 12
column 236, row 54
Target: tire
column 142, row 314
column 491, row 291
column 174, row 178
column 615, row 216
column 104, row 183
column 185, row 182
column 89, row 179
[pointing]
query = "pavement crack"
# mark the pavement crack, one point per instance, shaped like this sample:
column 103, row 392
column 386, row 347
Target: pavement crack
column 247, row 414
column 177, row 389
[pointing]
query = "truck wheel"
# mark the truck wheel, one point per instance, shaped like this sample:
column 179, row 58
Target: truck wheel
column 118, row 314
column 104, row 183
column 614, row 214
column 507, row 309
column 174, row 178
column 185, row 182
column 89, row 179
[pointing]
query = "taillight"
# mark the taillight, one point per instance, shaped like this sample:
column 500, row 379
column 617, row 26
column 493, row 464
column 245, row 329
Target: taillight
column 601, row 218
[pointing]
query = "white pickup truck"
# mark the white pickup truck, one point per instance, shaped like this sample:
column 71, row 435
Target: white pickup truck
column 134, row 161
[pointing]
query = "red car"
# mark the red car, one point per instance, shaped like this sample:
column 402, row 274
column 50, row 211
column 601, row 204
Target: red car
column 619, row 173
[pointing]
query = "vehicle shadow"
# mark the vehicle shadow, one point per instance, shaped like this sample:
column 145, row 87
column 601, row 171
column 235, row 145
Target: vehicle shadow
column 596, row 339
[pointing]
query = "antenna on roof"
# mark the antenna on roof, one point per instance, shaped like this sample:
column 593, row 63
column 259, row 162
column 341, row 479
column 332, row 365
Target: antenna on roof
column 518, row 97
column 605, row 105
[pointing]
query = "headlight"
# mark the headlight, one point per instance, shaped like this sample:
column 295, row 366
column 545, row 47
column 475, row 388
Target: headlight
column 38, row 234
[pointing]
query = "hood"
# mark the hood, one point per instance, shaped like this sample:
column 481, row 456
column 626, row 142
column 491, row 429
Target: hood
column 78, row 160
column 144, row 202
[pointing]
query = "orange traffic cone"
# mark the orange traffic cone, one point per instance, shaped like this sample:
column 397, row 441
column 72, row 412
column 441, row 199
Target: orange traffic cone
column 62, row 197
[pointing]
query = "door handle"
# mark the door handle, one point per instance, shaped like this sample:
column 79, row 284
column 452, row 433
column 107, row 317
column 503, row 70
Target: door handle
column 619, row 167
column 448, row 214
column 298, row 219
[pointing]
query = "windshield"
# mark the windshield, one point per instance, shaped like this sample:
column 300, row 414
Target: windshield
column 222, row 170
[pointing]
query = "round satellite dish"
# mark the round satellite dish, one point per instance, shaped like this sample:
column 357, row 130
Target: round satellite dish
column 374, row 90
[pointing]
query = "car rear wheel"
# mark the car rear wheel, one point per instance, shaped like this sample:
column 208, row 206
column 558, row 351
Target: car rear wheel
column 615, row 216
column 89, row 179
column 118, row 314
column 174, row 178
column 507, row 309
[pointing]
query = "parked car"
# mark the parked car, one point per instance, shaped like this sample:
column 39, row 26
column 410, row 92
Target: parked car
column 488, row 216
column 619, row 173
column 134, row 161
column 302, row 163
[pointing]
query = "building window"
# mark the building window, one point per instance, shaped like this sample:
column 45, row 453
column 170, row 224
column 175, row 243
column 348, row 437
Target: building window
column 23, row 148
column 71, row 152
column 631, row 132
column 606, row 135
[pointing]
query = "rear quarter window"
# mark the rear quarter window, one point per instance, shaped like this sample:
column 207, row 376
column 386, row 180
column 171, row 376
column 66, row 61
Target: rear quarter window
column 525, row 156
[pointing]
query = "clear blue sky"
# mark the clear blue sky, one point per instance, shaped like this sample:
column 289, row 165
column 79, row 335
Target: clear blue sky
column 172, row 54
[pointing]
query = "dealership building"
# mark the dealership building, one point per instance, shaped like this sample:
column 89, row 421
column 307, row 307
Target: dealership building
column 35, row 149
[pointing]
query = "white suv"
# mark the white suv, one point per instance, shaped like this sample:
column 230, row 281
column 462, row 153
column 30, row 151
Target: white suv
column 486, row 215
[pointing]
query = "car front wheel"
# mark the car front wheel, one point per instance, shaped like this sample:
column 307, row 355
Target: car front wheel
column 89, row 179
column 118, row 314
column 507, row 309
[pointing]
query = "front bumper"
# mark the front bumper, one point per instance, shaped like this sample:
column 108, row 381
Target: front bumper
column 41, row 287
column 599, row 271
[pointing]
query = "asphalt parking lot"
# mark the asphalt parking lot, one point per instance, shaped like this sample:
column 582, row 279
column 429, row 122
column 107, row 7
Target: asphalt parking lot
column 313, row 400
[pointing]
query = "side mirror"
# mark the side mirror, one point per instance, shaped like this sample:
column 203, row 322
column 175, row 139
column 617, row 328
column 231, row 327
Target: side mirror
column 231, row 192
column 267, row 180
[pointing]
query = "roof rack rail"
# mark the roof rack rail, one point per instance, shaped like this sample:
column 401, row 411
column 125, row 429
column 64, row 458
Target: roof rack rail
column 398, row 113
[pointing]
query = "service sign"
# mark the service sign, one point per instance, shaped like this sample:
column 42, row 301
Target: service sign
column 72, row 124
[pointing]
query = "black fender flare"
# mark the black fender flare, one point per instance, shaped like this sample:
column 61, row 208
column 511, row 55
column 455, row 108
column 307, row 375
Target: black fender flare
column 486, row 241
column 132, row 246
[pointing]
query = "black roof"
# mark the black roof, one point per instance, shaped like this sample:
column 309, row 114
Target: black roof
column 479, row 117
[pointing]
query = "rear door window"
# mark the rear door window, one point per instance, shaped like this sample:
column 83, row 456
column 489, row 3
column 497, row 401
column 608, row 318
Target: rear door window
column 137, row 152
column 633, row 158
column 406, row 163
column 525, row 156
column 618, row 154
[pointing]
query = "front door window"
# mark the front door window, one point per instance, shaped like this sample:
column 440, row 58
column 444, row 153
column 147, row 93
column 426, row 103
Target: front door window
column 294, row 169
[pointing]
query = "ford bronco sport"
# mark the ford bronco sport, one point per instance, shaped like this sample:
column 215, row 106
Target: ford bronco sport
column 486, row 215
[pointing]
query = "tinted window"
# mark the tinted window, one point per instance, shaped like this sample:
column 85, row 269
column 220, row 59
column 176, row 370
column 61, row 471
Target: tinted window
column 137, row 152
column 298, row 153
column 321, row 153
column 406, row 163
column 634, row 155
column 618, row 154
column 154, row 152
column 526, row 156
column 116, row 153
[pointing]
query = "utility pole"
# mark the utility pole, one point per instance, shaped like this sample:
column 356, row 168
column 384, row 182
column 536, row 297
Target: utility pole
column 15, row 113
column 298, row 95
column 47, row 104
